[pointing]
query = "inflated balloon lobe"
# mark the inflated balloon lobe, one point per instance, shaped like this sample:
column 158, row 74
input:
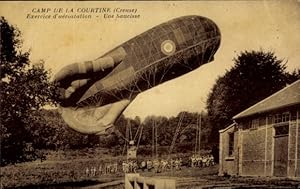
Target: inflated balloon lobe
column 113, row 80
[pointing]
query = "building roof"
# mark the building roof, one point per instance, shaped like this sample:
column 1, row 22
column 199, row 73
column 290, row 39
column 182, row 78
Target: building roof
column 227, row 128
column 287, row 96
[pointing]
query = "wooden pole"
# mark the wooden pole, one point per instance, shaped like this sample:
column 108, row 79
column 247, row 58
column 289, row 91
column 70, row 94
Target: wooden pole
column 153, row 139
column 200, row 133
column 155, row 127
column 196, row 135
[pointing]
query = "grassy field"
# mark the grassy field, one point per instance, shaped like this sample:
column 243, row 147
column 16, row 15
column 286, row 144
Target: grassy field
column 59, row 167
column 63, row 167
column 70, row 167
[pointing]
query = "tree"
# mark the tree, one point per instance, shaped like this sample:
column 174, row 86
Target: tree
column 49, row 131
column 254, row 76
column 24, row 88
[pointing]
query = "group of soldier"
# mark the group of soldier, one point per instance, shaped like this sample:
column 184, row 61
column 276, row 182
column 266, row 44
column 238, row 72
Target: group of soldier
column 156, row 165
column 106, row 168
column 202, row 161
column 150, row 165
column 161, row 165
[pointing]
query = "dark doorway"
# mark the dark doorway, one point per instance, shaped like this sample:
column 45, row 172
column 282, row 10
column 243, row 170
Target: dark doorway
column 281, row 151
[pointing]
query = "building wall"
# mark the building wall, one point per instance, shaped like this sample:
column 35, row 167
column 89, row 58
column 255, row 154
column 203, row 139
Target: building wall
column 253, row 152
column 257, row 154
column 254, row 147
column 256, row 151
column 228, row 163
column 269, row 150
column 292, row 149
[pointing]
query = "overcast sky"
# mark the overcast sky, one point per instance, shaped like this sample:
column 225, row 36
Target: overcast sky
column 244, row 25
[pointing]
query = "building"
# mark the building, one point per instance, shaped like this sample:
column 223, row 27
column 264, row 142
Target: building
column 264, row 140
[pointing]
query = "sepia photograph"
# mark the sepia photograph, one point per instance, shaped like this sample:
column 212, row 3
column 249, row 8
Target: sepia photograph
column 150, row 94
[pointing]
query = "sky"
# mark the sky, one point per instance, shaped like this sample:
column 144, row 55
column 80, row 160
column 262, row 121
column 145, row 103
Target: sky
column 244, row 25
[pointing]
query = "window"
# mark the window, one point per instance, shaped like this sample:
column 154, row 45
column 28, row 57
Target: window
column 282, row 117
column 270, row 119
column 277, row 118
column 262, row 121
column 285, row 117
column 254, row 123
column 282, row 130
column 231, row 144
column 293, row 115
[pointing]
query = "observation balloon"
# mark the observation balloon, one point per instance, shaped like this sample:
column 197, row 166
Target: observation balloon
column 95, row 93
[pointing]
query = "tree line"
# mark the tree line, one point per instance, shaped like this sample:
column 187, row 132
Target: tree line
column 48, row 131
